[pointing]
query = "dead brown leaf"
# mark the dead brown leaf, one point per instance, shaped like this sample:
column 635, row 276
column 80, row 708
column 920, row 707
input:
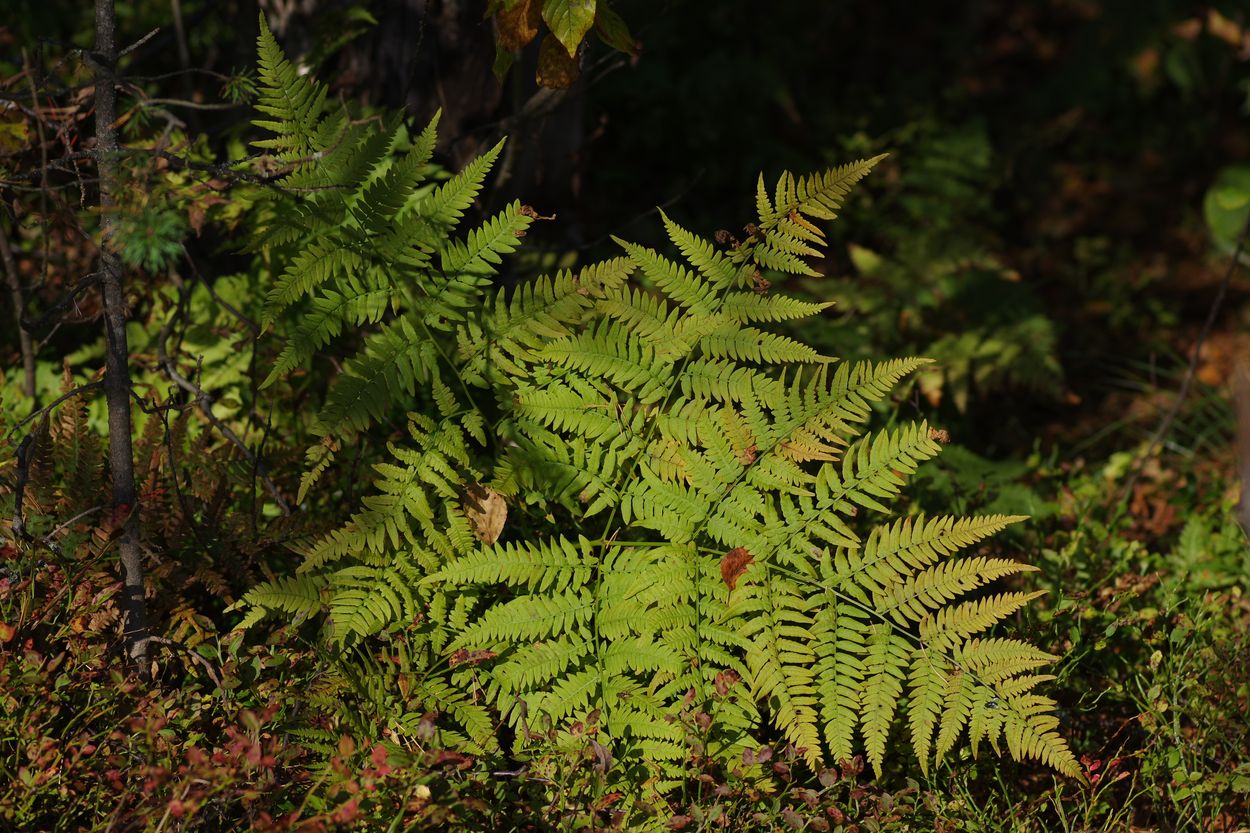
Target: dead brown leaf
column 467, row 657
column 733, row 565
column 518, row 25
column 557, row 69
column 486, row 511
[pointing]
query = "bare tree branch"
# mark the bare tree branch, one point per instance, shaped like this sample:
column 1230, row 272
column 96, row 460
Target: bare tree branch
column 54, row 312
column 140, row 42
column 46, row 409
column 19, row 304
column 19, row 488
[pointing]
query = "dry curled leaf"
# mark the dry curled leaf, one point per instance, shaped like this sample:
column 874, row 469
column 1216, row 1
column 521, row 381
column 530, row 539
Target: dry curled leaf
column 557, row 69
column 532, row 213
column 733, row 565
column 759, row 284
column 517, row 26
column 486, row 512
column 467, row 657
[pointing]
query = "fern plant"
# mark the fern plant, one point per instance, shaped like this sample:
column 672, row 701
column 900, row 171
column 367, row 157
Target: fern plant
column 692, row 499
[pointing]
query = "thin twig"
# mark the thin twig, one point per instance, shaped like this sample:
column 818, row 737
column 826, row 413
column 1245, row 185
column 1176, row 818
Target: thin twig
column 222, row 302
column 148, row 79
column 81, row 389
column 227, row 171
column 199, row 660
column 190, row 105
column 140, row 42
column 69, row 298
column 84, row 513
column 19, row 304
column 1191, row 371
column 43, row 168
column 58, row 165
column 204, row 401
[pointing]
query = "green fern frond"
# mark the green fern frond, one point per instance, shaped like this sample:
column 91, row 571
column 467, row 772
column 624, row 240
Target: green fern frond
column 819, row 195
column 933, row 587
column 531, row 618
column 484, row 247
column 394, row 361
column 781, row 663
column 952, row 624
column 684, row 486
column 298, row 596
column 928, row 681
column 441, row 210
column 747, row 344
column 873, row 468
column 546, row 566
column 320, row 263
column 609, row 353
column 573, row 406
column 366, row 600
column 956, row 711
column 840, row 632
column 357, row 305
column 885, row 662
column 293, row 102
column 317, row 459
column 994, row 660
column 1031, row 732
column 897, row 550
column 718, row 272
column 750, row 307
column 684, row 286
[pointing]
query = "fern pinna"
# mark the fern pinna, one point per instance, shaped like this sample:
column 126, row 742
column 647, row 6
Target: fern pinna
column 687, row 488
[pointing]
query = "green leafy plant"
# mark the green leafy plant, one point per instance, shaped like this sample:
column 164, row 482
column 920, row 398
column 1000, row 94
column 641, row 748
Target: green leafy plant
column 1226, row 205
column 619, row 491
column 566, row 24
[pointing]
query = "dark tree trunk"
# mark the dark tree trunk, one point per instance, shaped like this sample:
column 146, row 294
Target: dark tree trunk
column 117, row 352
